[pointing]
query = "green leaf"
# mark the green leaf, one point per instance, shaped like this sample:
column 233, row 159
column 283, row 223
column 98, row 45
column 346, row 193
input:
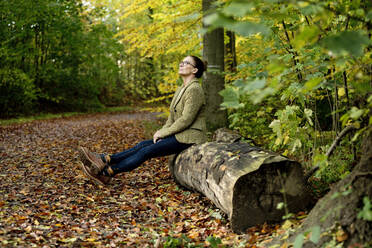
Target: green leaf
column 244, row 28
column 296, row 144
column 256, row 84
column 276, row 67
column 214, row 242
column 308, row 113
column 238, row 8
column 298, row 241
column 216, row 215
column 280, row 205
column 312, row 83
column 261, row 94
column 230, row 98
column 217, row 20
column 311, row 9
column 366, row 212
column 275, row 125
column 247, row 28
column 347, row 42
column 355, row 113
column 315, row 234
column 240, row 83
column 369, row 16
column 190, row 17
column 362, row 87
column 308, row 36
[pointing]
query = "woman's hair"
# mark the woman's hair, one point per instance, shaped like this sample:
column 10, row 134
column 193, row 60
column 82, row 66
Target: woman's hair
column 200, row 65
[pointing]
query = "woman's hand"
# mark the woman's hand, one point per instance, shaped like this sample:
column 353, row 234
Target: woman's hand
column 156, row 136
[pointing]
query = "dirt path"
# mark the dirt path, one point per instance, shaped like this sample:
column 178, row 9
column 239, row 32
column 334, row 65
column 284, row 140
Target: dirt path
column 46, row 201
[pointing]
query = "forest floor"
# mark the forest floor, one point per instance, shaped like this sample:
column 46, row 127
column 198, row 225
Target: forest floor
column 46, row 201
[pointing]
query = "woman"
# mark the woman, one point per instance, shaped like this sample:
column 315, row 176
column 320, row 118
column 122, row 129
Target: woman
column 185, row 126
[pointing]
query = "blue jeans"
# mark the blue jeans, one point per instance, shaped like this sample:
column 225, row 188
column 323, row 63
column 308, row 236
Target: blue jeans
column 130, row 159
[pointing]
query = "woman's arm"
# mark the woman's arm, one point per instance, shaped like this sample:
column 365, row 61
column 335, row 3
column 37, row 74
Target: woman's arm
column 169, row 121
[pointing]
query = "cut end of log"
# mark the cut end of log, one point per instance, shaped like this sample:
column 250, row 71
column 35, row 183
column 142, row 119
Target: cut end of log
column 257, row 195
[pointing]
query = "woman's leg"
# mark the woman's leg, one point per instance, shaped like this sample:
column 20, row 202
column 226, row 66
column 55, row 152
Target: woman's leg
column 164, row 147
column 118, row 157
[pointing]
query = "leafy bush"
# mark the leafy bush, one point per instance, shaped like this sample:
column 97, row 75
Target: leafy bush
column 292, row 130
column 17, row 92
column 252, row 121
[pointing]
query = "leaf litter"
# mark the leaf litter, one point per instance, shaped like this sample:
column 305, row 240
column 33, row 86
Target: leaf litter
column 46, row 201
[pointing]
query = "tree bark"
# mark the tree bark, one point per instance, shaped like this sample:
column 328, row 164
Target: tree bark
column 213, row 53
column 244, row 181
column 231, row 52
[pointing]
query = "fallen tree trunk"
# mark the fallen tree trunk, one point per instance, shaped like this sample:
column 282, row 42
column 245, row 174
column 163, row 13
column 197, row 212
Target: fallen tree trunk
column 244, row 181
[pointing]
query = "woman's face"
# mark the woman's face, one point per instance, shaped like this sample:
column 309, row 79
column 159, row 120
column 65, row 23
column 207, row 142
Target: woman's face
column 187, row 66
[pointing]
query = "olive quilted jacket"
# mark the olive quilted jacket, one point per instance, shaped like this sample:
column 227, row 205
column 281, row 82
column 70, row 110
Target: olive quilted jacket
column 187, row 115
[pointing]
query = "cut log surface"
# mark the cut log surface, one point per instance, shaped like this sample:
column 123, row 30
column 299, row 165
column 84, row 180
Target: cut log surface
column 244, row 181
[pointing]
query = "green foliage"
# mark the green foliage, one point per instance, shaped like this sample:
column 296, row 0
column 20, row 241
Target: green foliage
column 183, row 241
column 314, row 237
column 231, row 98
column 252, row 121
column 366, row 212
column 292, row 129
column 348, row 42
column 17, row 92
column 298, row 241
column 334, row 168
column 312, row 69
column 63, row 56
column 214, row 242
column 244, row 28
column 315, row 234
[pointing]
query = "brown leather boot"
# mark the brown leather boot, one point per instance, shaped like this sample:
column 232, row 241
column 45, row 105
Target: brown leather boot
column 92, row 160
column 99, row 179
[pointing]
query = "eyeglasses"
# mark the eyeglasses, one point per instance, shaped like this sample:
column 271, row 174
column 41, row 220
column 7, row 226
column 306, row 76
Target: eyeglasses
column 186, row 63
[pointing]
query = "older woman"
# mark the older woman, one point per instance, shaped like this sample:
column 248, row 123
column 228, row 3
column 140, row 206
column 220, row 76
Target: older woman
column 185, row 126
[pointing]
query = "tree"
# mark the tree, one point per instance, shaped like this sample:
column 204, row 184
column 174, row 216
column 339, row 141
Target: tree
column 230, row 52
column 54, row 57
column 213, row 83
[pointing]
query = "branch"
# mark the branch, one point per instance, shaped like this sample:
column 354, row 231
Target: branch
column 299, row 74
column 345, row 131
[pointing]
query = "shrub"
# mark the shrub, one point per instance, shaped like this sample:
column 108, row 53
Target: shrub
column 17, row 93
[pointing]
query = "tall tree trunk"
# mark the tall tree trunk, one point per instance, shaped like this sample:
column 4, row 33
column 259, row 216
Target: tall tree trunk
column 214, row 82
column 36, row 57
column 231, row 52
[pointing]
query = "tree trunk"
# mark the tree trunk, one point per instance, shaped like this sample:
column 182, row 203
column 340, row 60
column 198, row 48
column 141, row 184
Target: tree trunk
column 231, row 52
column 213, row 53
column 245, row 182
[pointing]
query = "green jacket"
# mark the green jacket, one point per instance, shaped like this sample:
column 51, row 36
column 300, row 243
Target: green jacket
column 187, row 115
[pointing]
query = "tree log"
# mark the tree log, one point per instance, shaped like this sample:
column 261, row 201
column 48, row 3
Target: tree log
column 244, row 181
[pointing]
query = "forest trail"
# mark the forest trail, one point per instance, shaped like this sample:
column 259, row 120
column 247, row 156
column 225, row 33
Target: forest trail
column 47, row 201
